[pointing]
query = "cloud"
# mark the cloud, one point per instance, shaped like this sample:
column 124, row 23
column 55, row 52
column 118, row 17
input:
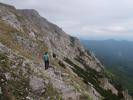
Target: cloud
column 86, row 18
column 115, row 29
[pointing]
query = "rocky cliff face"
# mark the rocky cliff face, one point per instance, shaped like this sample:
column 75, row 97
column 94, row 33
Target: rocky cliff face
column 75, row 74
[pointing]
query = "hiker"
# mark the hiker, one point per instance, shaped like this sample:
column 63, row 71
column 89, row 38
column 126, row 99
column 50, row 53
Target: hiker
column 46, row 60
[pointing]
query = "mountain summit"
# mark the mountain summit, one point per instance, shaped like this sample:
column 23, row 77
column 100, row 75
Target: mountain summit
column 75, row 74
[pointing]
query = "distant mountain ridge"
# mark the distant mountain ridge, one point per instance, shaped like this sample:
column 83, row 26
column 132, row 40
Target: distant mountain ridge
column 115, row 55
column 120, row 50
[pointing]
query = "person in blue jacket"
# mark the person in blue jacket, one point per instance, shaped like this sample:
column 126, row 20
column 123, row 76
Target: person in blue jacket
column 46, row 60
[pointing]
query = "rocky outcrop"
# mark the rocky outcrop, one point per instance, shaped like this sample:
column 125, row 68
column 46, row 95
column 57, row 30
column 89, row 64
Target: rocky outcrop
column 126, row 95
column 104, row 83
column 75, row 73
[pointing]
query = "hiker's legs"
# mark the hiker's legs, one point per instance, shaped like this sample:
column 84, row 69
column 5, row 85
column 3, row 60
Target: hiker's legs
column 46, row 64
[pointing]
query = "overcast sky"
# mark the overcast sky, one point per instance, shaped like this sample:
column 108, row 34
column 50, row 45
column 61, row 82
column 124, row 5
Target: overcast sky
column 88, row 19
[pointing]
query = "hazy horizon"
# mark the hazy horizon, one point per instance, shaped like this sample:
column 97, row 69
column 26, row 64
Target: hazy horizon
column 86, row 19
column 106, row 40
